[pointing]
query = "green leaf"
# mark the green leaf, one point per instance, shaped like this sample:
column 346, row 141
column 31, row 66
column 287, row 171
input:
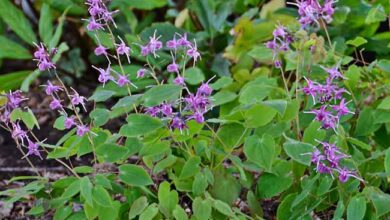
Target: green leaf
column 27, row 117
column 86, row 190
column 141, row 4
column 101, row 196
column 62, row 213
column 222, row 83
column 284, row 211
column 83, row 169
column 111, row 152
column 270, row 185
column 358, row 41
column 200, row 184
column 149, row 213
column 260, row 151
column 313, row 132
column 139, row 124
column 387, row 162
column 59, row 123
column 384, row 65
column 11, row 81
column 194, row 76
column 298, row 151
column 223, row 208
column 167, row 199
column 259, row 115
column 385, row 104
column 380, row 200
column 356, row 208
column 154, row 149
column 102, row 95
column 225, row 182
column 201, row 208
column 100, row 116
column 45, row 24
column 223, row 97
column 134, row 175
column 179, row 213
column 12, row 50
column 58, row 32
column 359, row 143
column 16, row 20
column 261, row 54
column 190, row 168
column 138, row 207
column 161, row 93
column 376, row 14
column 71, row 190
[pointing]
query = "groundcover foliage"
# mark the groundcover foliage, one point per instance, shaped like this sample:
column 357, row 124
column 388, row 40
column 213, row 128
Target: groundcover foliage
column 200, row 109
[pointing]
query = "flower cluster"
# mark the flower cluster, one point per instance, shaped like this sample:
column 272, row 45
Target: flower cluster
column 100, row 15
column 14, row 100
column 280, row 43
column 191, row 107
column 43, row 57
column 311, row 11
column 75, row 100
column 327, row 161
column 328, row 114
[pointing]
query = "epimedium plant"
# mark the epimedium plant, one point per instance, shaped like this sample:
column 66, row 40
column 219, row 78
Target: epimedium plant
column 218, row 148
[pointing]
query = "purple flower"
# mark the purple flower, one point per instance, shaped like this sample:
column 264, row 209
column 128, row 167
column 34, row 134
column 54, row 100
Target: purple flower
column 344, row 175
column 104, row 75
column 178, row 123
column 198, row 117
column 183, row 41
column 18, row 132
column 333, row 72
column 205, row 89
column 145, row 50
column 193, row 53
column 55, row 104
column 141, row 73
column 153, row 111
column 172, row 44
column 154, row 44
column 322, row 168
column 320, row 114
column 173, row 68
column 311, row 11
column 179, row 80
column 271, row 45
column 123, row 49
column 33, row 149
column 166, row 109
column 43, row 58
column 279, row 31
column 51, row 89
column 82, row 130
column 76, row 99
column 93, row 25
column 341, row 108
column 123, row 80
column 100, row 50
column 14, row 99
column 311, row 89
column 317, row 156
column 69, row 122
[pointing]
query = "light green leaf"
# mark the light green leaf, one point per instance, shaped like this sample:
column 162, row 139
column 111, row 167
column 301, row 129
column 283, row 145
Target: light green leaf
column 358, row 41
column 86, row 190
column 270, row 185
column 101, row 196
column 138, row 207
column 149, row 213
column 139, row 124
column 134, row 175
column 260, row 151
column 11, row 81
column 161, row 93
column 16, row 20
column 376, row 14
column 223, row 97
column 111, row 152
column 356, row 208
column 299, row 151
column 194, row 76
column 100, row 116
column 167, row 199
column 45, row 24
column 12, row 50
column 190, row 168
column 102, row 95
